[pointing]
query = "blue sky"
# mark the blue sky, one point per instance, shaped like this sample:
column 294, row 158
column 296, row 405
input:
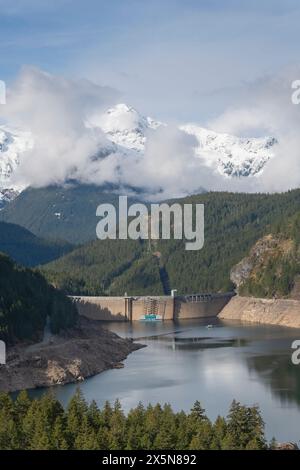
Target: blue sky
column 173, row 59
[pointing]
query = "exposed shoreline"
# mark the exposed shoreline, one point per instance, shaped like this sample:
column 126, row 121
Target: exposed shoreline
column 282, row 312
column 69, row 357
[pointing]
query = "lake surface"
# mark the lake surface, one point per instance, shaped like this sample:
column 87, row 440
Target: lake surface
column 186, row 361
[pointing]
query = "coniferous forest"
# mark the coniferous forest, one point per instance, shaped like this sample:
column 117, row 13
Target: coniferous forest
column 44, row 424
column 233, row 224
column 26, row 300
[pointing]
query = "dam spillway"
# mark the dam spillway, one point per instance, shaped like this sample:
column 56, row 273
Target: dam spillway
column 134, row 308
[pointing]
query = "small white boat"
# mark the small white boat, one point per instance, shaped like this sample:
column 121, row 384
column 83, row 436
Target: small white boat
column 209, row 326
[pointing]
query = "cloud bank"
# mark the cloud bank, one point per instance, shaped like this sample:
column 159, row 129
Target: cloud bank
column 269, row 109
column 57, row 111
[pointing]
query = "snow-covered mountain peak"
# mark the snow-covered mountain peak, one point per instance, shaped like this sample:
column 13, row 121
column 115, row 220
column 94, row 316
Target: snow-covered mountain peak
column 124, row 126
column 226, row 154
column 127, row 131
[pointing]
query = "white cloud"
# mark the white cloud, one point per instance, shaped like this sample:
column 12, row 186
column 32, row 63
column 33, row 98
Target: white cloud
column 272, row 112
column 55, row 110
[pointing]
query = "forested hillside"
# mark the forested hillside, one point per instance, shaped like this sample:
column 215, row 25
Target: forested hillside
column 60, row 212
column 233, row 224
column 106, row 267
column 26, row 299
column 28, row 249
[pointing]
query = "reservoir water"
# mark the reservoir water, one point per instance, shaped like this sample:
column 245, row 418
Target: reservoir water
column 186, row 361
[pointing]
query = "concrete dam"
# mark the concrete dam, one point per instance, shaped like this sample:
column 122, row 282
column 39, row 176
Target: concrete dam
column 133, row 308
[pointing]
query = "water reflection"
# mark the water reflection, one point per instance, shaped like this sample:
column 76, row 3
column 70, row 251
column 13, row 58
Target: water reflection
column 279, row 375
column 200, row 343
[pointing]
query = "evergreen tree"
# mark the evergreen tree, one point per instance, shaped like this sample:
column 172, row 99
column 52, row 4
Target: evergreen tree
column 76, row 411
column 117, row 438
column 44, row 424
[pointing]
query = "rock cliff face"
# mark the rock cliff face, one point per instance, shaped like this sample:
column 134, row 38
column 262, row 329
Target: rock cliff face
column 273, row 312
column 266, row 248
column 271, row 268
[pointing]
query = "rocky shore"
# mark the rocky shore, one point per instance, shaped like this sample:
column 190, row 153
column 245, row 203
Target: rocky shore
column 269, row 311
column 72, row 356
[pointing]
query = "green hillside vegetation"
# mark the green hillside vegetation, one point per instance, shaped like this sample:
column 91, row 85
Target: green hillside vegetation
column 60, row 212
column 143, row 278
column 108, row 267
column 276, row 273
column 43, row 424
column 233, row 224
column 28, row 249
column 26, row 299
column 90, row 269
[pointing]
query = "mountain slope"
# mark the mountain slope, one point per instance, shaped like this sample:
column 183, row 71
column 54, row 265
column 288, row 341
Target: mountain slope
column 233, row 224
column 27, row 249
column 60, row 213
column 26, row 300
column 108, row 267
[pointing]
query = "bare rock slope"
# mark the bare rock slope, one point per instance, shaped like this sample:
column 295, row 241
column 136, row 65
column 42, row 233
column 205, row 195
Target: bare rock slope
column 283, row 312
column 81, row 352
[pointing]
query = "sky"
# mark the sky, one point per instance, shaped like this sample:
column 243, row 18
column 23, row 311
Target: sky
column 175, row 60
column 226, row 65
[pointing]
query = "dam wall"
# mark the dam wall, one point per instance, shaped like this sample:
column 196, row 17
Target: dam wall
column 209, row 306
column 167, row 307
column 101, row 308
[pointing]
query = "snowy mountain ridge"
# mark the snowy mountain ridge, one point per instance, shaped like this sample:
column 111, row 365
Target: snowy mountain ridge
column 126, row 130
column 230, row 155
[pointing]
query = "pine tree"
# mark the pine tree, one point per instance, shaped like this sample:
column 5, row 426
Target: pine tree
column 245, row 428
column 203, row 438
column 59, row 436
column 76, row 411
column 135, row 427
column 219, row 433
column 167, row 435
column 117, row 438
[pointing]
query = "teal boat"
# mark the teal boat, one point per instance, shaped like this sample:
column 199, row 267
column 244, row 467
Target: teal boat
column 151, row 317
